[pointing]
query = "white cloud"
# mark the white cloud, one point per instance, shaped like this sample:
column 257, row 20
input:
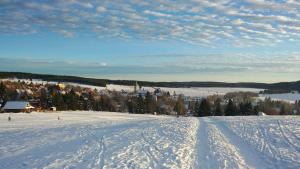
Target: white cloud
column 249, row 22
column 66, row 33
column 101, row 9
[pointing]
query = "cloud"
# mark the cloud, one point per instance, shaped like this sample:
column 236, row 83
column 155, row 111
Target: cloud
column 202, row 22
column 66, row 33
column 101, row 9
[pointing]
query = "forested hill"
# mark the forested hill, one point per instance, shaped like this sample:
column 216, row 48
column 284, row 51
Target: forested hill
column 282, row 86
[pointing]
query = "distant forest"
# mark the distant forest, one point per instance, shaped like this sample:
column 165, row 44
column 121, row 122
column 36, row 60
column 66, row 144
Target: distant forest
column 271, row 87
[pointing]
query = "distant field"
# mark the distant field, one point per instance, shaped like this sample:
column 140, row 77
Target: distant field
column 119, row 140
column 192, row 91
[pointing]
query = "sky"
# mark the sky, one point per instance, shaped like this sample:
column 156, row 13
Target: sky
column 157, row 40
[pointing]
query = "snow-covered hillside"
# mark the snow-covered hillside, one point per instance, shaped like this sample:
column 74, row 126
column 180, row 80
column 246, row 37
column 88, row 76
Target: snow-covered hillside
column 289, row 97
column 193, row 91
column 118, row 140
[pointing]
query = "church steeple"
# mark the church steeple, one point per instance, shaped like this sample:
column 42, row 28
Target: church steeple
column 136, row 87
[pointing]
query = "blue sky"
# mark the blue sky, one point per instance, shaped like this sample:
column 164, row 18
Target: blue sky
column 158, row 40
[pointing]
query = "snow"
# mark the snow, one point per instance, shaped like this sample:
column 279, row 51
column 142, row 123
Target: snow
column 16, row 105
column 120, row 140
column 261, row 114
column 192, row 91
column 289, row 97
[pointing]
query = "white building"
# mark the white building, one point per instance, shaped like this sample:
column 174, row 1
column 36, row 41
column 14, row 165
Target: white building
column 18, row 106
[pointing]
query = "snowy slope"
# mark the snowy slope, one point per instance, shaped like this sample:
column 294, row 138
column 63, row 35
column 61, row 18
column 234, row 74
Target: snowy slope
column 118, row 140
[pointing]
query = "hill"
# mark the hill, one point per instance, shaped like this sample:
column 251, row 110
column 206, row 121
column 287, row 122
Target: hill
column 281, row 86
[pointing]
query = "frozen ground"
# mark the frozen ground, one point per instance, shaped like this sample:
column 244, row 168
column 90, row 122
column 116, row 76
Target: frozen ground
column 116, row 140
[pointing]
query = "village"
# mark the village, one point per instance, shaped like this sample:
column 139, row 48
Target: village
column 28, row 96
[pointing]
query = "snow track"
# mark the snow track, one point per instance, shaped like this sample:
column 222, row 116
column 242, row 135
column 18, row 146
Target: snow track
column 116, row 140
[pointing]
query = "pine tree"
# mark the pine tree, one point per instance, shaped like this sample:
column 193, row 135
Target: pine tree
column 44, row 98
column 58, row 102
column 140, row 104
column 72, row 100
column 2, row 91
column 230, row 109
column 130, row 105
column 283, row 110
column 218, row 111
column 197, row 109
column 179, row 106
column 205, row 109
column 149, row 103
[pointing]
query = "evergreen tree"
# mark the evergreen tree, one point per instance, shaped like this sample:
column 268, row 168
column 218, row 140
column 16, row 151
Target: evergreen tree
column 230, row 109
column 72, row 100
column 2, row 91
column 218, row 110
column 58, row 102
column 245, row 109
column 130, row 105
column 149, row 103
column 140, row 104
column 283, row 110
column 179, row 106
column 205, row 108
column 197, row 109
column 44, row 99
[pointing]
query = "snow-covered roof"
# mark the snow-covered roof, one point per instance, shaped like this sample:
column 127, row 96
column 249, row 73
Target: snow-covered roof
column 261, row 114
column 17, row 105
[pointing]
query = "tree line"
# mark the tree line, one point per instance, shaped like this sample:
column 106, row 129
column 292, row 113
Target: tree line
column 76, row 98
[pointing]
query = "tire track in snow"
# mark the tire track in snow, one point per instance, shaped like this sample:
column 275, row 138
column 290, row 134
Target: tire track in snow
column 292, row 133
column 251, row 157
column 149, row 152
column 278, row 158
column 229, row 154
column 292, row 145
column 202, row 150
column 101, row 146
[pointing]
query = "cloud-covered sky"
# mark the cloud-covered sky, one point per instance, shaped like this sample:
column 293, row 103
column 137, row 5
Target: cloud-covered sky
column 169, row 40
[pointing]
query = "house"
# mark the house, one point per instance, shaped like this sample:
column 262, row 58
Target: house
column 142, row 92
column 158, row 92
column 18, row 106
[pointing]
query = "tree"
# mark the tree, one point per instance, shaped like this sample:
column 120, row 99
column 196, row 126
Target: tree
column 149, row 103
column 140, row 104
column 130, row 105
column 197, row 109
column 218, row 110
column 246, row 109
column 179, row 106
column 58, row 102
column 72, row 100
column 283, row 110
column 2, row 91
column 205, row 108
column 44, row 98
column 230, row 109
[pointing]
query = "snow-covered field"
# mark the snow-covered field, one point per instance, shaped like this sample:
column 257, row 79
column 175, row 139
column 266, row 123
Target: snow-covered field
column 118, row 140
column 193, row 91
column 289, row 97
